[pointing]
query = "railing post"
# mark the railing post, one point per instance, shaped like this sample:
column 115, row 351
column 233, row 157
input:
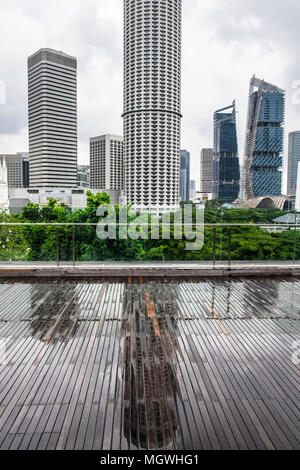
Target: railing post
column 214, row 247
column 57, row 246
column 229, row 245
column 73, row 245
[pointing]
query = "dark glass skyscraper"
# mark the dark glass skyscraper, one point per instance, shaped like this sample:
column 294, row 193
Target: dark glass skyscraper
column 264, row 140
column 185, row 158
column 226, row 167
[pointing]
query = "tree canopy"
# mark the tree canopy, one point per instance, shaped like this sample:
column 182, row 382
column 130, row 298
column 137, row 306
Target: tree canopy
column 39, row 242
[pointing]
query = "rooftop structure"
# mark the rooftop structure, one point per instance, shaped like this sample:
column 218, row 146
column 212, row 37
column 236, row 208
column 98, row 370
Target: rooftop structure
column 276, row 202
column 289, row 219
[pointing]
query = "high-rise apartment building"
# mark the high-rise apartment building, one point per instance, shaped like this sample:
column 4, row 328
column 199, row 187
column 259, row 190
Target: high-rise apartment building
column 206, row 170
column 17, row 169
column 226, row 167
column 152, row 103
column 52, row 105
column 184, row 182
column 293, row 162
column 107, row 162
column 264, row 140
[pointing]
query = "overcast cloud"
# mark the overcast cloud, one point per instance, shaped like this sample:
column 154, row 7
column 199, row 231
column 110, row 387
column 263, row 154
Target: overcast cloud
column 225, row 42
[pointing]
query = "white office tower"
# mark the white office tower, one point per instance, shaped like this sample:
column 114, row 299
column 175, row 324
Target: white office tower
column 206, row 170
column 107, row 162
column 293, row 161
column 52, row 103
column 4, row 202
column 152, row 103
column 298, row 190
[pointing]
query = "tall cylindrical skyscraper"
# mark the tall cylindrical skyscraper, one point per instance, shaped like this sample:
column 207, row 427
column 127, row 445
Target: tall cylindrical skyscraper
column 152, row 103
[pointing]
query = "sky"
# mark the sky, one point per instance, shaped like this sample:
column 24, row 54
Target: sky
column 225, row 42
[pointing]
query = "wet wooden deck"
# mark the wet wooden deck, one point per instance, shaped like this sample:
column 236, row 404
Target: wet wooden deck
column 191, row 364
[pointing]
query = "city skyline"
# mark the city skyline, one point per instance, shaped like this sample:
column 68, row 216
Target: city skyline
column 244, row 35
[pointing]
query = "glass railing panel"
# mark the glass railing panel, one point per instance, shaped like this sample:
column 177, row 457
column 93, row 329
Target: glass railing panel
column 297, row 238
column 220, row 245
column 13, row 245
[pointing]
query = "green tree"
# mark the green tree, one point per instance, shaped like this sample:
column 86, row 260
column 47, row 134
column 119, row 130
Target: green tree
column 13, row 246
column 96, row 200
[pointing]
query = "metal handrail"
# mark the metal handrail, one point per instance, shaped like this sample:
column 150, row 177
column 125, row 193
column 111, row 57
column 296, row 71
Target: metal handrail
column 67, row 224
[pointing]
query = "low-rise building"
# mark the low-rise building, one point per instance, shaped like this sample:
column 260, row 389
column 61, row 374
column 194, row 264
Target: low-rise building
column 17, row 169
column 73, row 198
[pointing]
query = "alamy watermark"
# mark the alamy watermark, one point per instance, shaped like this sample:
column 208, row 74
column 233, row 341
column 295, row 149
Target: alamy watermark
column 296, row 92
column 186, row 224
column 296, row 354
column 2, row 92
column 3, row 349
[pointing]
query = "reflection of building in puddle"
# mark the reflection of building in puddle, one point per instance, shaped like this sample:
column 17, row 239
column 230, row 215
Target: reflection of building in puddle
column 261, row 305
column 150, row 370
column 221, row 291
column 54, row 311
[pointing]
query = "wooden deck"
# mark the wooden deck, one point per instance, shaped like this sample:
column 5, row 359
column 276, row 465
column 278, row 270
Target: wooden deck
column 189, row 364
